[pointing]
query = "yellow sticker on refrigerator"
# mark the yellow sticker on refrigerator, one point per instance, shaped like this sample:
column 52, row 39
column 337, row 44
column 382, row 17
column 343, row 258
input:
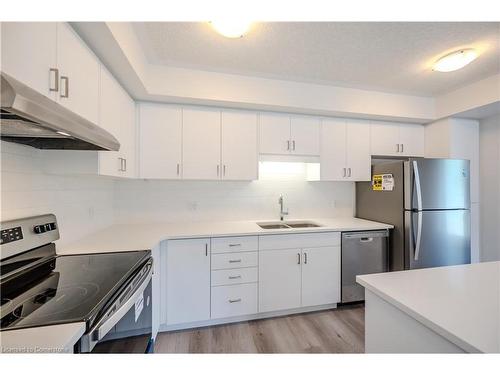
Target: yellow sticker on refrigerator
column 383, row 182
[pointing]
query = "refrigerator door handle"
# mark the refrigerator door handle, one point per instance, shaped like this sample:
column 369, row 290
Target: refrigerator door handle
column 419, row 235
column 418, row 188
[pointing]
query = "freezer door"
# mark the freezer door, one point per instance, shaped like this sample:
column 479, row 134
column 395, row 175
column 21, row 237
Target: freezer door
column 437, row 238
column 437, row 184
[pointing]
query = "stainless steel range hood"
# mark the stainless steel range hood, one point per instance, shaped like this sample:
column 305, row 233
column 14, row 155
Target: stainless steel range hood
column 32, row 119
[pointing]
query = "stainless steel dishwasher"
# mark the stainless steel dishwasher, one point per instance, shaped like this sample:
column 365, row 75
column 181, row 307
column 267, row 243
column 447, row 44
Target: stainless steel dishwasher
column 362, row 253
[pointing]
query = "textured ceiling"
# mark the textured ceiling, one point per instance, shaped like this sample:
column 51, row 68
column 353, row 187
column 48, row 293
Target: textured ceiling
column 392, row 57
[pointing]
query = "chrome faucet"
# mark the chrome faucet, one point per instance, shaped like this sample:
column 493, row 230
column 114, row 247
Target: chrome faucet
column 282, row 212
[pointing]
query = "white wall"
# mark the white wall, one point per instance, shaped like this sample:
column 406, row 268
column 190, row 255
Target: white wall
column 137, row 200
column 489, row 137
column 82, row 204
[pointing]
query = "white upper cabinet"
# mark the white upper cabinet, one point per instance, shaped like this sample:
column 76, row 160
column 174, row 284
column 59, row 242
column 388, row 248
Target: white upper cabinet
column 394, row 139
column 274, row 133
column 201, row 135
column 239, row 146
column 304, row 136
column 282, row 134
column 29, row 54
column 345, row 150
column 117, row 116
column 160, row 141
column 78, row 74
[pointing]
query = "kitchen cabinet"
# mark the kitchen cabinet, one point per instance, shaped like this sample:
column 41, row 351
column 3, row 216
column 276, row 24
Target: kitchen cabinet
column 279, row 279
column 239, row 152
column 53, row 60
column 320, row 275
column 160, row 141
column 78, row 74
column 298, row 271
column 396, row 139
column 187, row 281
column 117, row 116
column 29, row 54
column 201, row 144
column 282, row 134
column 345, row 150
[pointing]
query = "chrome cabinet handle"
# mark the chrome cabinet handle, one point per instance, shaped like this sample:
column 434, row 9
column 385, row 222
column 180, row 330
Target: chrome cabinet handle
column 218, row 170
column 224, row 170
column 402, row 147
column 56, row 79
column 234, row 260
column 293, row 145
column 121, row 165
column 397, row 146
column 124, row 165
column 234, row 277
column 234, row 244
column 206, row 249
column 288, row 145
column 298, row 258
column 343, row 172
column 178, row 169
column 66, row 87
column 235, row 300
column 349, row 171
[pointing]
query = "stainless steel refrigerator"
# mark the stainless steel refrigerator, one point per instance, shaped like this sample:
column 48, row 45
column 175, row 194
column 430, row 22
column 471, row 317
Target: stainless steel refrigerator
column 429, row 206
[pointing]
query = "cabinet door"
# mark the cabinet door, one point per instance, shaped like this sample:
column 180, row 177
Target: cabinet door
column 320, row 276
column 305, row 135
column 117, row 116
column 188, row 281
column 385, row 139
column 333, row 150
column 411, row 137
column 160, row 147
column 239, row 146
column 358, row 150
column 29, row 52
column 201, row 144
column 274, row 133
column 279, row 279
column 79, row 74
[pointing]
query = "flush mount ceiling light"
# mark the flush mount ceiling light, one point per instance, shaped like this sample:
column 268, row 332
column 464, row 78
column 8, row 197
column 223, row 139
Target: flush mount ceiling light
column 231, row 28
column 455, row 60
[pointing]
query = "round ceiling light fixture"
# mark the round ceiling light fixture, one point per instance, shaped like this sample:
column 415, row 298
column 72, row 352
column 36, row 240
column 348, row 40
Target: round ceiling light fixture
column 455, row 60
column 231, row 28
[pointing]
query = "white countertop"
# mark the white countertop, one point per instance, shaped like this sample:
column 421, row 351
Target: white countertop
column 143, row 236
column 49, row 339
column 460, row 303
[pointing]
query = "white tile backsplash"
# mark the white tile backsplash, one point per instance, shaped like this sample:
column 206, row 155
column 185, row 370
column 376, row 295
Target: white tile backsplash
column 86, row 203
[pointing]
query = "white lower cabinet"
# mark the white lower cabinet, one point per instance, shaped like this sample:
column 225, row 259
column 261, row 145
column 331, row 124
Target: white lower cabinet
column 320, row 275
column 234, row 300
column 279, row 279
column 188, row 281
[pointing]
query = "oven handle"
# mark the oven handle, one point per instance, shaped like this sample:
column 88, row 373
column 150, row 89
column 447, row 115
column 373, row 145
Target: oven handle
column 103, row 327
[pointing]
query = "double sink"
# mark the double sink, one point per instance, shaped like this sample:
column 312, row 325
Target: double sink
column 288, row 224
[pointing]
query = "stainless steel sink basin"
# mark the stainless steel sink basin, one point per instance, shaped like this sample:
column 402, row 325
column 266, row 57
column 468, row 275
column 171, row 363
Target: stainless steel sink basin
column 288, row 224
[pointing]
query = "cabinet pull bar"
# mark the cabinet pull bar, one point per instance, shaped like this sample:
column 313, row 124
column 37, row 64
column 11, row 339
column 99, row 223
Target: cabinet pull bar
column 298, row 258
column 224, row 170
column 305, row 258
column 234, row 244
column 206, row 249
column 235, row 300
column 293, row 145
column 218, row 170
column 124, row 165
column 397, row 147
column 235, row 261
column 56, row 79
column 234, row 277
column 66, row 87
column 288, row 145
column 178, row 168
column 402, row 147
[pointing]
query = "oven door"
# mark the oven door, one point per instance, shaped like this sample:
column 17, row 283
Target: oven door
column 126, row 326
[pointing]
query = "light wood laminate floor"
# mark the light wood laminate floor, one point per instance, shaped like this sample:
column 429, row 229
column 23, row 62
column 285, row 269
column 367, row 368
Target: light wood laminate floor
column 332, row 331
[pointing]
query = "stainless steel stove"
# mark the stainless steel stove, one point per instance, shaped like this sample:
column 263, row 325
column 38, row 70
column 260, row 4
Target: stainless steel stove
column 110, row 292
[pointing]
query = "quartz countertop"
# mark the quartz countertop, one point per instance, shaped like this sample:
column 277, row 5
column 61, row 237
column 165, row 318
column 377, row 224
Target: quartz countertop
column 460, row 303
column 58, row 338
column 144, row 236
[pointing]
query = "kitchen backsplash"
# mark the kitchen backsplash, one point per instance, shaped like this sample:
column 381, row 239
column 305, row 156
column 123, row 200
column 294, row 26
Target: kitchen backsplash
column 82, row 204
column 86, row 203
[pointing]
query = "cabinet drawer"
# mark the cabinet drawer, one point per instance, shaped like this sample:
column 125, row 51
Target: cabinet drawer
column 233, row 244
column 234, row 300
column 299, row 241
column 234, row 260
column 235, row 276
